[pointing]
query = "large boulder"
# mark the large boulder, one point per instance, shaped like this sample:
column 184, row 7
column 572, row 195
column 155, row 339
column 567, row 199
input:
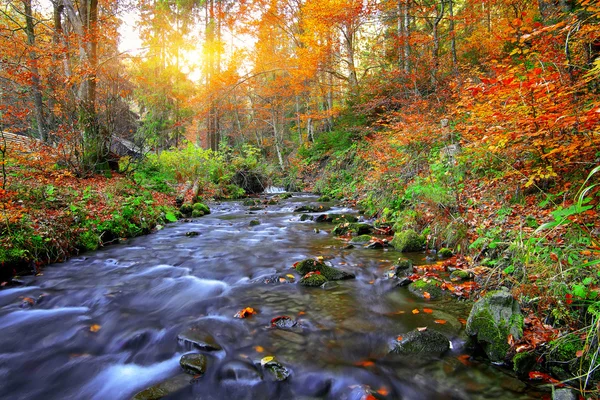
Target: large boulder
column 407, row 241
column 424, row 342
column 330, row 273
column 193, row 364
column 492, row 319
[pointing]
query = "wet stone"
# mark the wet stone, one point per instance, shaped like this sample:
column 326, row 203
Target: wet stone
column 164, row 389
column 192, row 233
column 289, row 336
column 283, row 322
column 194, row 338
column 194, row 364
column 276, row 371
column 427, row 342
column 238, row 371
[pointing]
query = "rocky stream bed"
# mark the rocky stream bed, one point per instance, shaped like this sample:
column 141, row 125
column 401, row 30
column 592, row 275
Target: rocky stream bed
column 155, row 317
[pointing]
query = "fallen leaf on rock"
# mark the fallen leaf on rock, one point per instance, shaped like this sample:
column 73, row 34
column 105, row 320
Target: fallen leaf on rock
column 399, row 338
column 422, row 328
column 95, row 328
column 245, row 313
column 440, row 321
column 366, row 363
column 383, row 391
column 427, row 310
column 426, row 295
column 291, row 276
column 266, row 360
column 415, row 311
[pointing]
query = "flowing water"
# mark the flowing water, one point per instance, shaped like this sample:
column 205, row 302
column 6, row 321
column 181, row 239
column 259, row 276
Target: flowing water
column 105, row 325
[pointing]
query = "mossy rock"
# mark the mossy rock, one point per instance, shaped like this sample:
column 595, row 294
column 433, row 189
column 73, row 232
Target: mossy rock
column 193, row 364
column 315, row 280
column 312, row 208
column 523, row 363
column 330, row 273
column 250, row 202
column 404, row 264
column 186, row 210
column 324, row 198
column 565, row 348
column 361, row 239
column 462, row 275
column 276, row 370
column 285, row 196
column 197, row 213
column 306, row 217
column 431, row 286
column 336, row 218
column 201, row 207
column 445, row 252
column 353, row 228
column 427, row 342
column 254, row 222
column 407, row 241
column 492, row 319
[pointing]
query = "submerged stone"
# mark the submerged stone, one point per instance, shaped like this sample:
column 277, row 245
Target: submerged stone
column 352, row 228
column 427, row 342
column 276, row 370
column 492, row 319
column 361, row 239
column 194, row 364
column 312, row 208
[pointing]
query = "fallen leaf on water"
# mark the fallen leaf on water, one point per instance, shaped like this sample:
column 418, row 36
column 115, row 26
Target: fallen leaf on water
column 422, row 328
column 291, row 276
column 366, row 363
column 95, row 328
column 266, row 360
column 371, row 282
column 399, row 338
column 383, row 391
column 440, row 321
column 427, row 310
column 301, row 312
column 245, row 313
column 259, row 349
column 464, row 358
column 415, row 311
column 426, row 295
column 29, row 300
column 282, row 280
column 536, row 375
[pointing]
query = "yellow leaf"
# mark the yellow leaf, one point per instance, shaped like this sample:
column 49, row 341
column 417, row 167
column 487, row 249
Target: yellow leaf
column 266, row 360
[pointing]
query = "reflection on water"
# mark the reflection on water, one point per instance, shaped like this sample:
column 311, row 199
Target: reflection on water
column 106, row 325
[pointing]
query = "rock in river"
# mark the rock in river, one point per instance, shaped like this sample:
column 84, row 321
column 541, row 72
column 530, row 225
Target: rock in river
column 193, row 364
column 428, row 342
column 196, row 338
column 330, row 273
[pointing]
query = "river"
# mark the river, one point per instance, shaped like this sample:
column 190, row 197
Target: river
column 105, row 325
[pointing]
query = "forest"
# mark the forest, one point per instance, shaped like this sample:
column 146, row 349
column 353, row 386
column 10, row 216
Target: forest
column 465, row 130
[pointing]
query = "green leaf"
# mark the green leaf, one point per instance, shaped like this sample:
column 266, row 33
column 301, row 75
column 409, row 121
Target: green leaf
column 587, row 281
column 169, row 216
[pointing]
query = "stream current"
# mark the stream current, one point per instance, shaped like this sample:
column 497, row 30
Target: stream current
column 105, row 325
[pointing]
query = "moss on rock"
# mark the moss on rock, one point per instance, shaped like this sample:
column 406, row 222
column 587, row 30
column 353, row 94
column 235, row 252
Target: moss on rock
column 201, row 207
column 427, row 285
column 407, row 241
column 313, row 280
column 353, row 228
column 186, row 210
column 523, row 363
column 461, row 274
column 254, row 222
column 330, row 273
column 193, row 364
column 445, row 252
column 361, row 239
column 197, row 213
column 492, row 319
column 427, row 342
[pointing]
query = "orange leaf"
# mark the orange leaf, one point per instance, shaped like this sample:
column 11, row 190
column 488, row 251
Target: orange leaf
column 95, row 328
column 579, row 353
column 464, row 358
column 399, row 338
column 427, row 310
column 245, row 313
column 383, row 391
column 415, row 311
column 259, row 349
column 366, row 363
column 426, row 295
column 440, row 321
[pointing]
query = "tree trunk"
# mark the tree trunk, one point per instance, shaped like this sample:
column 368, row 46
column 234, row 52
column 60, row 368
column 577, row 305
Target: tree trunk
column 436, row 42
column 452, row 36
column 36, row 89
